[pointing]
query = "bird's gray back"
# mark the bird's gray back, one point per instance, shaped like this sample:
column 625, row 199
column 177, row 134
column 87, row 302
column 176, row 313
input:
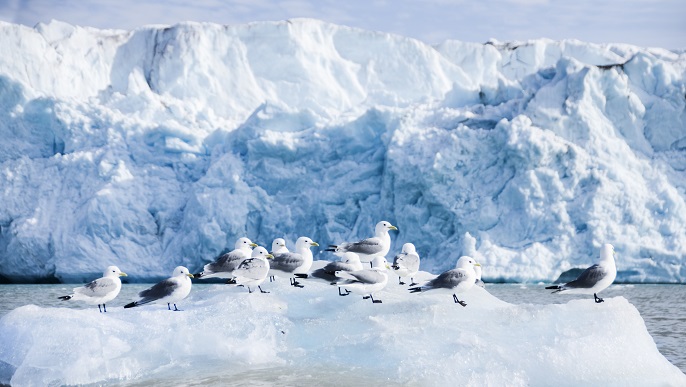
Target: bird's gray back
column 287, row 262
column 369, row 246
column 588, row 278
column 226, row 263
column 448, row 279
column 159, row 290
column 99, row 287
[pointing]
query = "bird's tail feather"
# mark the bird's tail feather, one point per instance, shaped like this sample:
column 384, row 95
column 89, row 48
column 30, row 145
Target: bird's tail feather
column 65, row 298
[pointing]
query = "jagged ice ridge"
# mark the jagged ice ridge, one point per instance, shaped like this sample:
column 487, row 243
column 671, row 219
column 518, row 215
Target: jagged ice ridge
column 161, row 146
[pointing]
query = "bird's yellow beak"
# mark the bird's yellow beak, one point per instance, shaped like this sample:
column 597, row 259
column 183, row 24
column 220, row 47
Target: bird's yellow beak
column 477, row 264
column 190, row 275
column 269, row 256
column 314, row 244
column 122, row 274
column 391, row 227
column 253, row 244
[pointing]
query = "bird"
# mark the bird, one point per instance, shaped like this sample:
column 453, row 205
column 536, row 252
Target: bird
column 349, row 262
column 296, row 263
column 253, row 271
column 456, row 281
column 169, row 291
column 367, row 249
column 99, row 291
column 278, row 246
column 406, row 264
column 595, row 278
column 225, row 264
column 366, row 281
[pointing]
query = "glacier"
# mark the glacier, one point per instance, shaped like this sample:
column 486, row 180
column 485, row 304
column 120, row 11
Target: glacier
column 161, row 146
column 312, row 336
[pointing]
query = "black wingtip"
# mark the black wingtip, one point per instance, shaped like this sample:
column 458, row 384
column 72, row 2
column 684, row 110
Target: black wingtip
column 415, row 290
column 553, row 287
column 130, row 305
column 196, row 276
column 329, row 249
column 65, row 298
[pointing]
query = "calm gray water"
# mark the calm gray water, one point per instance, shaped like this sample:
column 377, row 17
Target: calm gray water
column 661, row 306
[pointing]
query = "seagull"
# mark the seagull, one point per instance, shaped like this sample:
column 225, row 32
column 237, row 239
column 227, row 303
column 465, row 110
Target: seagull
column 296, row 264
column 406, row 264
column 278, row 247
column 367, row 249
column 349, row 262
column 169, row 291
column 99, row 291
column 367, row 281
column 225, row 264
column 253, row 271
column 457, row 280
column 595, row 278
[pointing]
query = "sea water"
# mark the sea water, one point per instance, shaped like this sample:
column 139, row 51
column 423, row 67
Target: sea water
column 661, row 307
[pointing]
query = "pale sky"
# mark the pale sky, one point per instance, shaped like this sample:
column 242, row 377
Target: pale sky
column 646, row 23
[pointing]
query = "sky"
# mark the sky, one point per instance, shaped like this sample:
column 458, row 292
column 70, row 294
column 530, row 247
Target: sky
column 645, row 23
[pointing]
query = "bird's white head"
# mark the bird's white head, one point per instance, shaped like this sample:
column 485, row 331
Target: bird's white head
column 261, row 252
column 607, row 252
column 305, row 243
column 113, row 271
column 278, row 244
column 465, row 262
column 408, row 248
column 244, row 243
column 380, row 263
column 383, row 227
column 181, row 271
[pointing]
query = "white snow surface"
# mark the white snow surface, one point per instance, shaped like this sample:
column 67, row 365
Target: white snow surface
column 159, row 147
column 312, row 335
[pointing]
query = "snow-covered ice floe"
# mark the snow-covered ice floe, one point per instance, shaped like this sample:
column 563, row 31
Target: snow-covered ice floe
column 417, row 339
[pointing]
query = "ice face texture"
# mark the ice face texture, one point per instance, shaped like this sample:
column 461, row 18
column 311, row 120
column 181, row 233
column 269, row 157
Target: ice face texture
column 159, row 147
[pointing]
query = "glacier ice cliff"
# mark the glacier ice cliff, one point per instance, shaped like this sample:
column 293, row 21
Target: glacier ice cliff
column 160, row 146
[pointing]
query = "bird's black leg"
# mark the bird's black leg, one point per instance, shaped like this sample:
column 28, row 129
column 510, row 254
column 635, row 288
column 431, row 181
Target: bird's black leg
column 458, row 301
column 259, row 287
column 272, row 278
column 413, row 283
column 343, row 294
column 178, row 310
column 168, row 307
column 400, row 281
column 104, row 308
column 99, row 308
column 598, row 300
column 295, row 283
column 375, row 301
column 249, row 290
